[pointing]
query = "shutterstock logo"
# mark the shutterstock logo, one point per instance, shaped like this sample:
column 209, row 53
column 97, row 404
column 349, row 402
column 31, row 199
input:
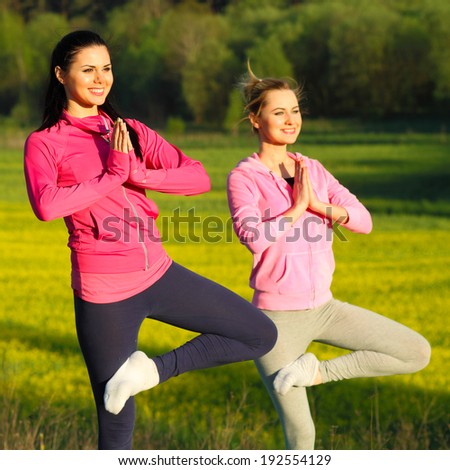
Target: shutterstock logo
column 190, row 227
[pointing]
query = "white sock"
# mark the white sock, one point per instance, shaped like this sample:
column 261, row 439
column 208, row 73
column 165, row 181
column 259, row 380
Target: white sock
column 300, row 373
column 138, row 373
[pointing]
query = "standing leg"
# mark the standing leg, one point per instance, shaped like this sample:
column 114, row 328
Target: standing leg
column 295, row 332
column 107, row 334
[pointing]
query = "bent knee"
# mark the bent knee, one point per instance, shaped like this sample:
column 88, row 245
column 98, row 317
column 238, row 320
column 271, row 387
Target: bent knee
column 266, row 340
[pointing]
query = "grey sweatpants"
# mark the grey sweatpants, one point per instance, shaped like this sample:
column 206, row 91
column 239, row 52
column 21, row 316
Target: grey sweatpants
column 379, row 346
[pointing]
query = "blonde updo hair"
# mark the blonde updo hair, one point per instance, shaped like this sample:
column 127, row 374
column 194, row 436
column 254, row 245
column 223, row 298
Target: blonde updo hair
column 254, row 90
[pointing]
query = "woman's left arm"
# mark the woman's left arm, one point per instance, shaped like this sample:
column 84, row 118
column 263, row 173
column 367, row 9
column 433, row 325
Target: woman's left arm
column 165, row 168
column 342, row 206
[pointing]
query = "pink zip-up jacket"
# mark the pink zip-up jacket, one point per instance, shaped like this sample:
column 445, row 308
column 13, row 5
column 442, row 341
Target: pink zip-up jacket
column 292, row 265
column 71, row 172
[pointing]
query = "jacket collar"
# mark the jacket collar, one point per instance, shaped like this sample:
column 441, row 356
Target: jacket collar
column 99, row 124
column 254, row 162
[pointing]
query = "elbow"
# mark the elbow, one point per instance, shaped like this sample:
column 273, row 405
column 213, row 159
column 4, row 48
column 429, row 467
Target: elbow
column 254, row 246
column 249, row 235
column 359, row 222
column 368, row 225
column 364, row 230
column 44, row 214
column 206, row 184
column 204, row 181
column 43, row 206
column 365, row 227
column 203, row 185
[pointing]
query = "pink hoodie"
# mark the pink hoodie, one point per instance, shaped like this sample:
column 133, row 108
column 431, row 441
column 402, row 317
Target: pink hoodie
column 292, row 265
column 72, row 173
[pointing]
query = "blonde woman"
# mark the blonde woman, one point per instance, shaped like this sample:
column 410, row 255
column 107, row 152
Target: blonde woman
column 283, row 205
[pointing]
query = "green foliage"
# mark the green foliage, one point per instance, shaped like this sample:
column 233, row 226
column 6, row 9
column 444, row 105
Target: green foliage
column 234, row 112
column 42, row 33
column 185, row 30
column 268, row 59
column 435, row 16
column 206, row 80
column 251, row 21
column 407, row 53
column 355, row 57
column 311, row 29
column 175, row 125
column 12, row 80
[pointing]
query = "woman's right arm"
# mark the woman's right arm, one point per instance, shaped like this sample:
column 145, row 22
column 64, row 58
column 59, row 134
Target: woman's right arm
column 50, row 201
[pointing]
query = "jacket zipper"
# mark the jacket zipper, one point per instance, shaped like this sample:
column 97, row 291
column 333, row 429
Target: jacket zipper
column 137, row 228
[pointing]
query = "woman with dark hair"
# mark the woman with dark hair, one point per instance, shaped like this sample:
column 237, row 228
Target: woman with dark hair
column 283, row 206
column 92, row 167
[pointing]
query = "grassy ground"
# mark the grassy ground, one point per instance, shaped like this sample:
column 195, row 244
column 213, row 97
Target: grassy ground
column 400, row 270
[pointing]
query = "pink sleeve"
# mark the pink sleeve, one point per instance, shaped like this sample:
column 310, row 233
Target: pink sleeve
column 50, row 201
column 359, row 218
column 166, row 168
column 255, row 230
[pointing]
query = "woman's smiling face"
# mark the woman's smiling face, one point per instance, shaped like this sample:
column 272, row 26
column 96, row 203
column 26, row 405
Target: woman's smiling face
column 280, row 120
column 88, row 80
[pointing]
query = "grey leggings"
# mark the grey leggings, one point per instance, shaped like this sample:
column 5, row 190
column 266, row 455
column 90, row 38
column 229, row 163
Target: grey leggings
column 380, row 347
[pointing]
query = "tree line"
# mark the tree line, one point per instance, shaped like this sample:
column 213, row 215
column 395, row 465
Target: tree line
column 182, row 59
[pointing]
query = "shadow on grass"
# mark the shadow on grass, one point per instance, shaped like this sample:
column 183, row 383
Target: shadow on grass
column 42, row 338
column 39, row 338
column 408, row 187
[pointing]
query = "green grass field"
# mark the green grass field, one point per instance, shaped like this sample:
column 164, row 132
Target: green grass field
column 400, row 270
